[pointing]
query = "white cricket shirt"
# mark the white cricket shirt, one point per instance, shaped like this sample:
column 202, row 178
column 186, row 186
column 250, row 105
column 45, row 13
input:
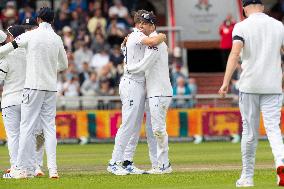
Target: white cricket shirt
column 45, row 57
column 13, row 72
column 263, row 37
column 134, row 53
column 156, row 68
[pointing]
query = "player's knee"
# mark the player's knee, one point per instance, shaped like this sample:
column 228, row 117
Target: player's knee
column 159, row 133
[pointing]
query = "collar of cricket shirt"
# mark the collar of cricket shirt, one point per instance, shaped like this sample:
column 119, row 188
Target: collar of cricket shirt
column 45, row 25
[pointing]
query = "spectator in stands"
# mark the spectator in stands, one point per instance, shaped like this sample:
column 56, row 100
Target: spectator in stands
column 26, row 12
column 99, row 43
column 71, row 72
column 176, row 73
column 116, row 58
column 82, row 54
column 100, row 59
column 68, row 38
column 115, row 32
column 108, row 73
column 84, row 75
column 97, row 22
column 75, row 21
column 9, row 14
column 78, row 4
column 277, row 10
column 82, row 35
column 71, row 87
column 225, row 31
column 90, row 86
column 118, row 10
column 181, row 89
column 61, row 20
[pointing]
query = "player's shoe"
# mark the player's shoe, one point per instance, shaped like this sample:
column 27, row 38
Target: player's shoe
column 117, row 169
column 20, row 174
column 244, row 182
column 165, row 169
column 39, row 172
column 154, row 170
column 131, row 168
column 53, row 174
column 8, row 170
column 7, row 176
column 280, row 176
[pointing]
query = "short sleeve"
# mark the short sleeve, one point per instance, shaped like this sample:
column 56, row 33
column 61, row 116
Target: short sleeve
column 238, row 34
column 22, row 40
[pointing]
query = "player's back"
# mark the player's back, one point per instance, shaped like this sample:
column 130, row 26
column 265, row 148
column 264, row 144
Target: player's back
column 134, row 53
column 263, row 39
column 42, row 58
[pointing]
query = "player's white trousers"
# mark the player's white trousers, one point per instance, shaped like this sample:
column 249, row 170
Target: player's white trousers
column 12, row 118
column 36, row 104
column 250, row 106
column 151, row 140
column 132, row 94
column 158, row 110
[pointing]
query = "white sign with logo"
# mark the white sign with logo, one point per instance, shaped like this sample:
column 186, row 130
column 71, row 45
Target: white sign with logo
column 200, row 19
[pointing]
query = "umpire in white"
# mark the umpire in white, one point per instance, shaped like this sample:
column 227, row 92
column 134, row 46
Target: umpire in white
column 261, row 39
column 45, row 57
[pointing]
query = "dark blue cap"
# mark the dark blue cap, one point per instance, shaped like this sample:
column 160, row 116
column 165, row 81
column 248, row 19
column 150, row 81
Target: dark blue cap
column 148, row 18
column 249, row 2
column 30, row 22
column 46, row 14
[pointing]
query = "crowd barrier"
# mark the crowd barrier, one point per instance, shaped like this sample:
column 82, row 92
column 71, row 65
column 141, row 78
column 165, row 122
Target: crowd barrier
column 208, row 123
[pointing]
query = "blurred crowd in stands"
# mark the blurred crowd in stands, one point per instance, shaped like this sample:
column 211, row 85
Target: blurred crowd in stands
column 92, row 32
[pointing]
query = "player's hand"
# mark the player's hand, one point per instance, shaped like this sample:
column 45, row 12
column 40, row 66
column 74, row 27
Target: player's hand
column 163, row 37
column 223, row 90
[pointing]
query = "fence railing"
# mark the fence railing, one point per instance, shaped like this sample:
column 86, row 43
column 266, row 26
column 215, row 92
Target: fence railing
column 113, row 102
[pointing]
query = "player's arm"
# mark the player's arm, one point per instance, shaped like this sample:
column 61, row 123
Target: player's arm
column 20, row 41
column 231, row 66
column 155, row 40
column 150, row 56
column 3, row 69
column 62, row 58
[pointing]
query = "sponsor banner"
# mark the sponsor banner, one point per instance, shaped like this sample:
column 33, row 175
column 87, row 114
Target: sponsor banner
column 182, row 123
column 200, row 19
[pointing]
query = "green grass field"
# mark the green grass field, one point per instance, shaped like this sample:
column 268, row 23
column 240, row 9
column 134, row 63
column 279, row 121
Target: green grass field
column 208, row 165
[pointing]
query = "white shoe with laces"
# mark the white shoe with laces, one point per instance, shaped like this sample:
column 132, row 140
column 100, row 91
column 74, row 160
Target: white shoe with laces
column 132, row 169
column 165, row 169
column 117, row 169
column 244, row 182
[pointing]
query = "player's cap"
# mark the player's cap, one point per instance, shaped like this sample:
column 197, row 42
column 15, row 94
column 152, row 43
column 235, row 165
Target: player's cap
column 249, row 2
column 148, row 17
column 16, row 30
column 46, row 14
column 30, row 22
column 3, row 36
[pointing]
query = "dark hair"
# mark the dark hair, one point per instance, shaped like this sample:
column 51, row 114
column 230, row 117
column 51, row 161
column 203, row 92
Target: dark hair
column 46, row 14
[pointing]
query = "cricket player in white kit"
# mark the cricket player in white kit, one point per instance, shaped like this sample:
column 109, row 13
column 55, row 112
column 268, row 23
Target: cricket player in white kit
column 132, row 93
column 261, row 39
column 159, row 92
column 45, row 57
column 12, row 72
